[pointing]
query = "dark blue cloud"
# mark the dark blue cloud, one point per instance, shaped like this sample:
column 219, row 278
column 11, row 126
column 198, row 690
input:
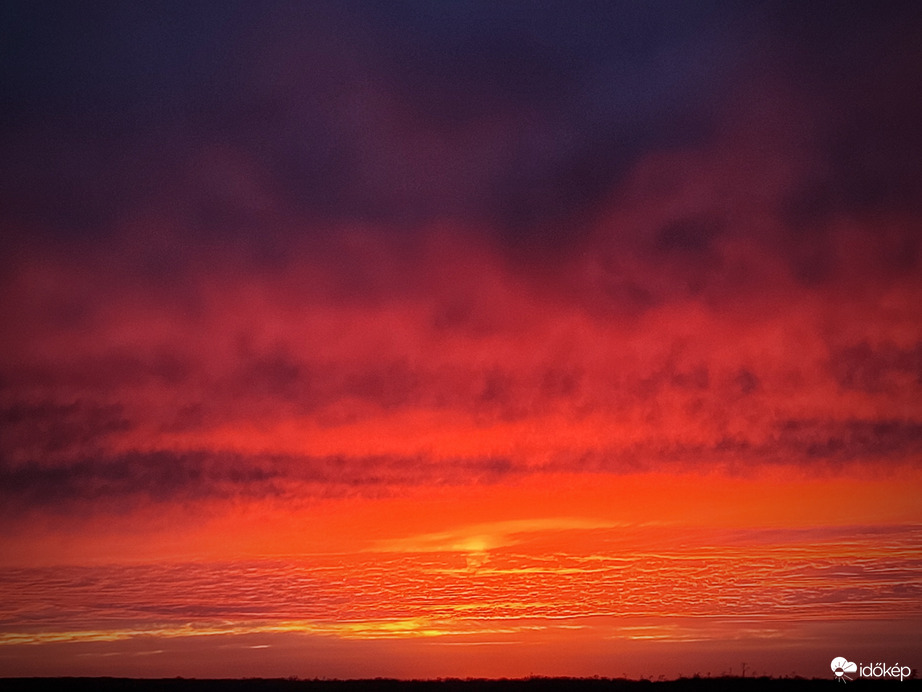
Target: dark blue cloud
column 339, row 106
column 519, row 118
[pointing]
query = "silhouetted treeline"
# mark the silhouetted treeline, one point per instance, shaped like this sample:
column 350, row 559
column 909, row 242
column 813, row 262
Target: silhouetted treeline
column 532, row 684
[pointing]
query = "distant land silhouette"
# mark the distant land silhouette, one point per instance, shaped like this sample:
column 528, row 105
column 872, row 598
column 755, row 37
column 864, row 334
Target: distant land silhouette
column 531, row 684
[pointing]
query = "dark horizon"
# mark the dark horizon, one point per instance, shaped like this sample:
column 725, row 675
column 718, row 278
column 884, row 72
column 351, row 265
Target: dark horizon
column 527, row 684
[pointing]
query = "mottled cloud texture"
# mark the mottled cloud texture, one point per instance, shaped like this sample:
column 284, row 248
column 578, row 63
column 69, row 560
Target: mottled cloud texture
column 301, row 250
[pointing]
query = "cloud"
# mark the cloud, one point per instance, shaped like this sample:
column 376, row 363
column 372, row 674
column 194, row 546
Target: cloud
column 344, row 114
column 46, row 429
column 884, row 369
column 113, row 482
column 481, row 538
column 343, row 247
column 120, row 483
column 421, row 375
column 853, row 439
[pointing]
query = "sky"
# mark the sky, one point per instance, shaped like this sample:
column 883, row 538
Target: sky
column 425, row 339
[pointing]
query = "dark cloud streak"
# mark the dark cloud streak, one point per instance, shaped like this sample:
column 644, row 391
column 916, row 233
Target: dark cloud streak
column 116, row 484
column 120, row 483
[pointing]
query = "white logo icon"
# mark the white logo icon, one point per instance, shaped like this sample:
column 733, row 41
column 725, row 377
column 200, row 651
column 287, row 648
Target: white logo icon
column 840, row 666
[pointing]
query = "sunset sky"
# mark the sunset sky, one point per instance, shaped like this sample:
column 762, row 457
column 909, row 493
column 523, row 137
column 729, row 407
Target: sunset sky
column 422, row 338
